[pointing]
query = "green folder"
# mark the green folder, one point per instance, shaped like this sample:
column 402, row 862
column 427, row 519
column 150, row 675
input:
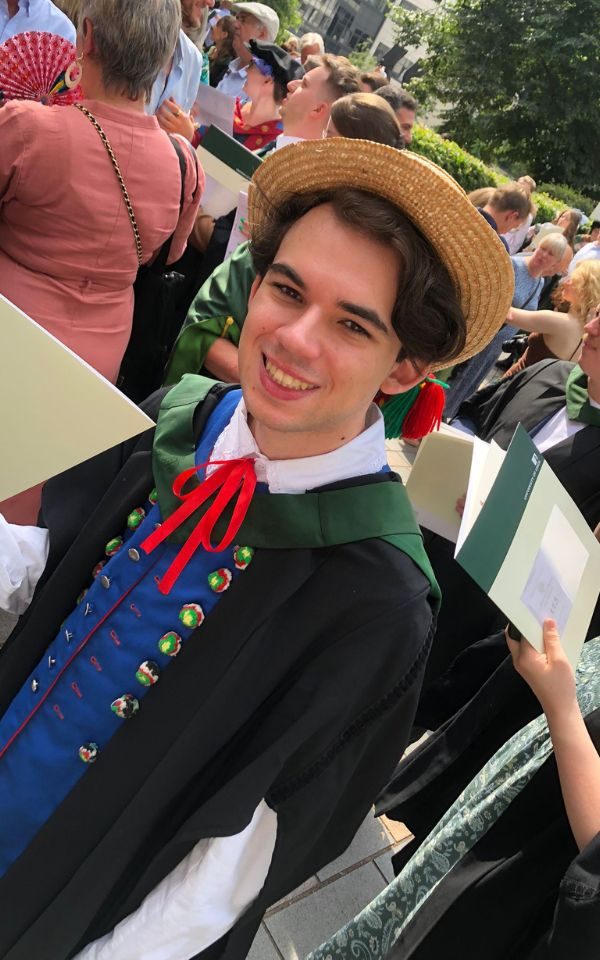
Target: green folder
column 230, row 152
column 521, row 538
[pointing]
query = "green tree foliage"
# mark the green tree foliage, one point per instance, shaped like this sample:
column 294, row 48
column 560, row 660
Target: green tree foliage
column 471, row 173
column 288, row 12
column 362, row 58
column 569, row 196
column 519, row 80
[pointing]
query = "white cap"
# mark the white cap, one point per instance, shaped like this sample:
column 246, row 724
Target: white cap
column 266, row 15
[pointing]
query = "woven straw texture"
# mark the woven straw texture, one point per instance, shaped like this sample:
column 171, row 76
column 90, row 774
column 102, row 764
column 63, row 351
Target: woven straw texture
column 473, row 254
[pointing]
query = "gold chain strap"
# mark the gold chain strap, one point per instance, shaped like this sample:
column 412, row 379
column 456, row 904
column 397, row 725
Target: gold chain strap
column 104, row 138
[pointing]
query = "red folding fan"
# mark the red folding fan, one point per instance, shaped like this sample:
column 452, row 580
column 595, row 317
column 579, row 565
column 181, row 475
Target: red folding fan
column 39, row 66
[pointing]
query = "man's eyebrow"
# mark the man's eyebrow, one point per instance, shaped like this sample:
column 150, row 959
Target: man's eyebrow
column 287, row 271
column 365, row 313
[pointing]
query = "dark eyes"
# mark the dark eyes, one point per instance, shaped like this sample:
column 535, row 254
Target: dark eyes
column 355, row 328
column 287, row 291
column 291, row 294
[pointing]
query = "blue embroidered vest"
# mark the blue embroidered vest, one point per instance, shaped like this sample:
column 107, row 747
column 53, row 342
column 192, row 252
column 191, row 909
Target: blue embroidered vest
column 112, row 649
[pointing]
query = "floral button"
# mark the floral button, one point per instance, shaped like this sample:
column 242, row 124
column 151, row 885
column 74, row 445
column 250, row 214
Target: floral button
column 153, row 496
column 170, row 644
column 125, row 706
column 135, row 518
column 113, row 546
column 242, row 557
column 98, row 568
column 89, row 752
column 148, row 673
column 219, row 580
column 191, row 615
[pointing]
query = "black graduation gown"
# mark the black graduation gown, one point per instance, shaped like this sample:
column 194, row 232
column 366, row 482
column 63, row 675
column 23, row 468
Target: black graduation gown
column 522, row 892
column 301, row 691
column 467, row 614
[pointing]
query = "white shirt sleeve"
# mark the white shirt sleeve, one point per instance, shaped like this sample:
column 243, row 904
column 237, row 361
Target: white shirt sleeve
column 23, row 556
column 199, row 901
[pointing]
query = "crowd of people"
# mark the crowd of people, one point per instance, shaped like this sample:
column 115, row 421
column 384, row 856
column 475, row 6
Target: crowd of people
column 246, row 582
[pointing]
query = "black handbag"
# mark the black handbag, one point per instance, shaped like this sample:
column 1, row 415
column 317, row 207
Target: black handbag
column 155, row 325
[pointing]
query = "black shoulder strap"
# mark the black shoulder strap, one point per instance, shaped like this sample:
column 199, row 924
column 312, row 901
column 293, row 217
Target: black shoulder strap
column 160, row 261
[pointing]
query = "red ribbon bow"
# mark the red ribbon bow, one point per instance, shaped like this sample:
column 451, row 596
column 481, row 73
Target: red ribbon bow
column 231, row 476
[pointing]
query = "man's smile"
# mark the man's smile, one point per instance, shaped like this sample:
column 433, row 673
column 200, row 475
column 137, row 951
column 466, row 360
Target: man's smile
column 285, row 379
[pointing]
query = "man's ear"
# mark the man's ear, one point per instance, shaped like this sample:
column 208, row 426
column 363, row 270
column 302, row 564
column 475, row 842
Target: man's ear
column 254, row 288
column 404, row 375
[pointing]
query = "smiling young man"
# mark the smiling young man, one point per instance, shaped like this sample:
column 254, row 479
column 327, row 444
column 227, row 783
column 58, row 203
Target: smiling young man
column 210, row 723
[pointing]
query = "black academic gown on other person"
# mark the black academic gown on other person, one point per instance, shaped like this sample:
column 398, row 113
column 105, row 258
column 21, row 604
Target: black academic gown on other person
column 521, row 893
column 468, row 615
column 318, row 656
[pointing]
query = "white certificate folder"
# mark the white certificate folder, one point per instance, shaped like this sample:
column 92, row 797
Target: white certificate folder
column 521, row 537
column 55, row 410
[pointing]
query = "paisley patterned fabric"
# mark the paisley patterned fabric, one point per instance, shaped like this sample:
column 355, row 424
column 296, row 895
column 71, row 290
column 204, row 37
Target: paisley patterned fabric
column 374, row 931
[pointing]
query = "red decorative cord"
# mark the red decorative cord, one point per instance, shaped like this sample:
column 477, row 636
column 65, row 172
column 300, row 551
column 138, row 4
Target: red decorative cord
column 231, row 476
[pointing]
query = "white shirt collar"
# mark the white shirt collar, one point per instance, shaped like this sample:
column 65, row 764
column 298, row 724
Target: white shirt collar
column 361, row 456
column 283, row 140
column 236, row 66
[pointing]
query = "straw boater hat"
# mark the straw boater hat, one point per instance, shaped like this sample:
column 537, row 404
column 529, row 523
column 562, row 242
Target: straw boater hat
column 471, row 251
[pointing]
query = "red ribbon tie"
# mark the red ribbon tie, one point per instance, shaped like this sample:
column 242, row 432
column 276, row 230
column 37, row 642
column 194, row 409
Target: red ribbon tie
column 230, row 477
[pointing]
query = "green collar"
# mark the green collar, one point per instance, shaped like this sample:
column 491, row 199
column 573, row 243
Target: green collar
column 578, row 404
column 285, row 521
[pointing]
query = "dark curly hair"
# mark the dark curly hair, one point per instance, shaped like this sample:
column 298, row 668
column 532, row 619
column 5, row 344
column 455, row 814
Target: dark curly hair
column 427, row 315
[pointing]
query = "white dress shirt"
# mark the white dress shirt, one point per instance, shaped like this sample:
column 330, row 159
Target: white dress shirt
column 233, row 82
column 202, row 898
column 558, row 428
column 183, row 79
column 589, row 251
column 38, row 15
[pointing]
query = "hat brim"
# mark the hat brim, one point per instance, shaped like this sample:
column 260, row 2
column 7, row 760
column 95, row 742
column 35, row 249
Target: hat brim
column 471, row 251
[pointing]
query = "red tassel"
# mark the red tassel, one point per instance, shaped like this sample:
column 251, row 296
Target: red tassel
column 425, row 414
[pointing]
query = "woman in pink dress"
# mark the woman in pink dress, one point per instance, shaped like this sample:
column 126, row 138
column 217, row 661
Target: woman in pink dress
column 68, row 256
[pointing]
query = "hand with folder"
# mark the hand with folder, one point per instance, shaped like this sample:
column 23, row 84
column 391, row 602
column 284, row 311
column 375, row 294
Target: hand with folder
column 552, row 679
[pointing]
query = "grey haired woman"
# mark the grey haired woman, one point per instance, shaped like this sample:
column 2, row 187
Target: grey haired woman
column 69, row 246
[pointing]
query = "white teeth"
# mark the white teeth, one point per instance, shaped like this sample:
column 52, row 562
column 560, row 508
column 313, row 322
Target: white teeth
column 284, row 379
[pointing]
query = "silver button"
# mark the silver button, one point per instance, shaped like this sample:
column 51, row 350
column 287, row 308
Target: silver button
column 35, row 686
column 51, row 662
column 133, row 554
column 106, row 582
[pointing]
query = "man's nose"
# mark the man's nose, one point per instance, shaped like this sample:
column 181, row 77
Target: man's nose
column 293, row 85
column 302, row 335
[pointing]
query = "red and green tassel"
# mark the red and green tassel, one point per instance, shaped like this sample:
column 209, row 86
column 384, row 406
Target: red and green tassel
column 416, row 413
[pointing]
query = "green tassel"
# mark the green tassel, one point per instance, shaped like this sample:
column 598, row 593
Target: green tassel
column 395, row 410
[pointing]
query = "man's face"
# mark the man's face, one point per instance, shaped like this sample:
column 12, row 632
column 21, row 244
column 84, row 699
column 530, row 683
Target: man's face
column 192, row 11
column 590, row 353
column 246, row 28
column 507, row 220
column 310, row 50
column 318, row 342
column 595, row 234
column 304, row 96
column 406, row 119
